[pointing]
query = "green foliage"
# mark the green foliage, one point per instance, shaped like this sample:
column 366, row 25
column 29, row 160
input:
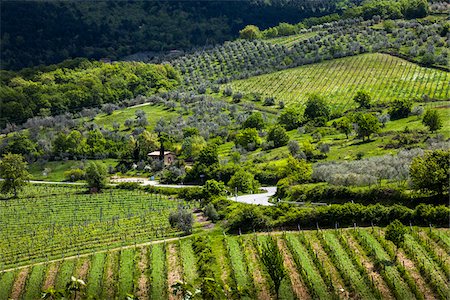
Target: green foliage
column 255, row 120
column 299, row 170
column 363, row 99
column 367, row 124
column 400, row 109
column 74, row 175
column 395, row 232
column 211, row 212
column 213, row 188
column 90, row 84
column 250, row 32
column 243, row 182
column 432, row 119
column 248, row 139
column 278, row 136
column 431, row 172
column 415, row 8
column 345, row 126
column 317, row 110
column 182, row 219
column 13, row 171
column 146, row 142
column 246, row 218
column 272, row 260
column 192, row 146
column 96, row 176
column 19, row 143
column 290, row 118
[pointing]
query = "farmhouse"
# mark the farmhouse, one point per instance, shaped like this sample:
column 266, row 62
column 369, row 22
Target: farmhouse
column 169, row 157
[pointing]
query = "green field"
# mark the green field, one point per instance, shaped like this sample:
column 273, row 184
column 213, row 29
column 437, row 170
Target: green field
column 383, row 76
column 50, row 222
column 154, row 113
column 325, row 264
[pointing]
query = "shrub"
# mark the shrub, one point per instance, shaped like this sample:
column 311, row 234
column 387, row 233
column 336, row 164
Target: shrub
column 74, row 175
column 278, row 136
column 182, row 219
column 431, row 172
column 432, row 120
column 269, row 101
column 211, row 212
column 244, row 182
column 400, row 109
column 96, row 176
column 290, row 118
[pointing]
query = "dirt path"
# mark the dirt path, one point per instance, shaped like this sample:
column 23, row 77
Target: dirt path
column 174, row 270
column 142, row 284
column 368, row 264
column 51, row 275
column 203, row 220
column 409, row 265
column 260, row 282
column 19, row 284
column 81, row 273
column 299, row 288
column 110, row 279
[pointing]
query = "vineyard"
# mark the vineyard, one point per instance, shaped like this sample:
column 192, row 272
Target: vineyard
column 53, row 222
column 385, row 78
column 326, row 264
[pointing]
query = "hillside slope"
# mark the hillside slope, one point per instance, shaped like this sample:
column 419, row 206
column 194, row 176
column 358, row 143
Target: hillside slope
column 325, row 264
column 383, row 76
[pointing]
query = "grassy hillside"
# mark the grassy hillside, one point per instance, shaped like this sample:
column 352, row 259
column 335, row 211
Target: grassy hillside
column 325, row 264
column 385, row 78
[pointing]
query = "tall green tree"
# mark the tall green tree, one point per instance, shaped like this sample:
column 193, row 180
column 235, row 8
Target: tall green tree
column 290, row 118
column 13, row 171
column 395, row 232
column 317, row 110
column 367, row 124
column 255, row 120
column 244, row 182
column 363, row 99
column 273, row 263
column 432, row 120
column 345, row 126
column 431, row 172
column 278, row 136
column 96, row 176
column 250, row 32
column 248, row 139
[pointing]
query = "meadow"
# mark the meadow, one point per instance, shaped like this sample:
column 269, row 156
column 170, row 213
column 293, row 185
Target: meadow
column 355, row 263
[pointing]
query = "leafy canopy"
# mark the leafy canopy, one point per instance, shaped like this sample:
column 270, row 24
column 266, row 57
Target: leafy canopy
column 13, row 171
column 432, row 120
column 431, row 172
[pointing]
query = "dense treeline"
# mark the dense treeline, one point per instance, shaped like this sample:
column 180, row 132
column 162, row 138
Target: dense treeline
column 88, row 84
column 246, row 217
column 43, row 32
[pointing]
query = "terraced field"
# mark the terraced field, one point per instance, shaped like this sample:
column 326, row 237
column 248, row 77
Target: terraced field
column 326, row 264
column 384, row 76
column 54, row 222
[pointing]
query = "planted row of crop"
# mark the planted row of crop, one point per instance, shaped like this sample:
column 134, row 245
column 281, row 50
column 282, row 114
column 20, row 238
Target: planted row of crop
column 319, row 260
column 57, row 226
column 384, row 77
